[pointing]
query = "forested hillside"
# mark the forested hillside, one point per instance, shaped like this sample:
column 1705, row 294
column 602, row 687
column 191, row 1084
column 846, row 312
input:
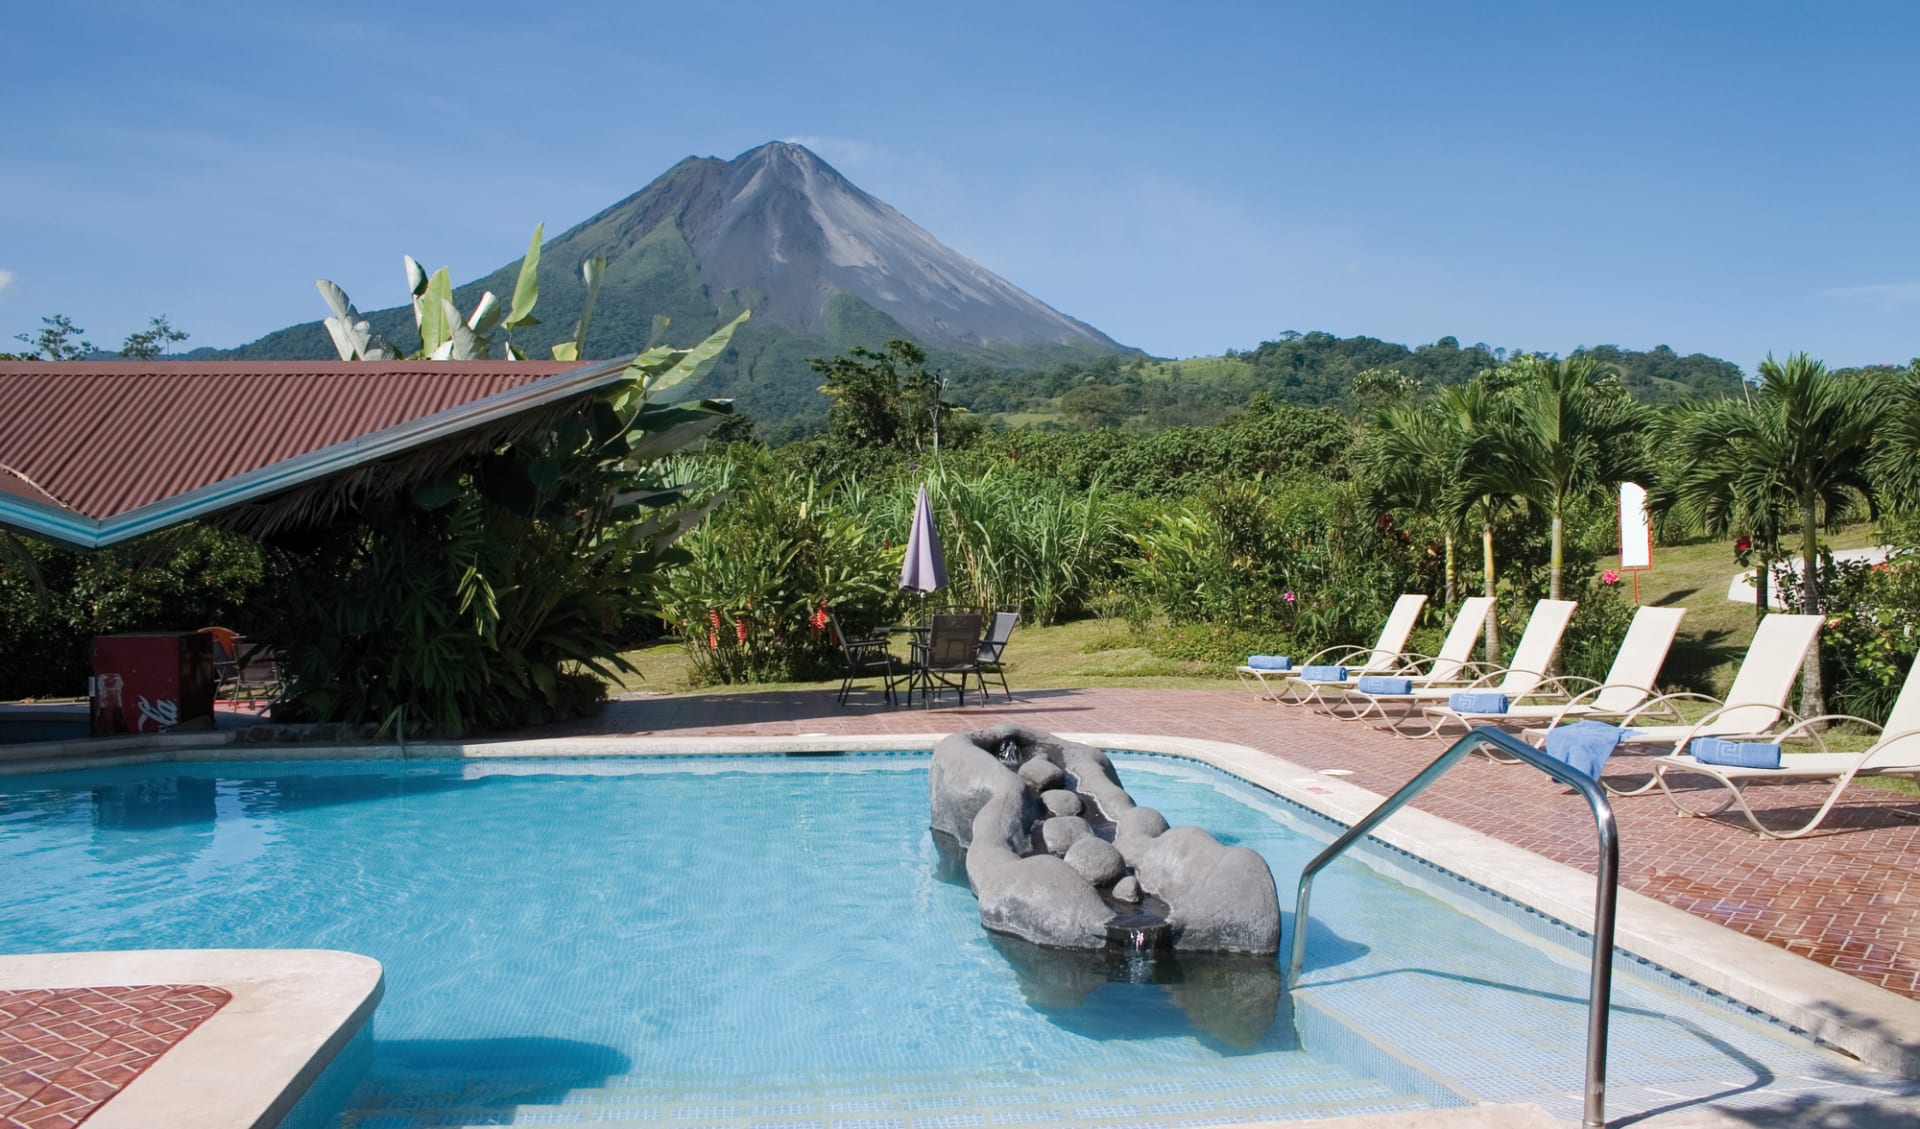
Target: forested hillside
column 1299, row 368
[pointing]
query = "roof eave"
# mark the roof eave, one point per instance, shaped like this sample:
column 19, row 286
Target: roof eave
column 98, row 533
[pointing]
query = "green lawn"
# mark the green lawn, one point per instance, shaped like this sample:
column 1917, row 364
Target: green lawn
column 1087, row 652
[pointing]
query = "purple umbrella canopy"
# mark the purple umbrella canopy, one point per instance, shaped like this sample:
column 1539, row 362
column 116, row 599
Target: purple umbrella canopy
column 925, row 569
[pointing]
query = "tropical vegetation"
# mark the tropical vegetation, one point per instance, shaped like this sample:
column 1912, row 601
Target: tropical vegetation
column 503, row 589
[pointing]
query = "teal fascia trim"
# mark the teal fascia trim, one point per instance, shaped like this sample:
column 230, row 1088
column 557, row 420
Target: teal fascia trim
column 64, row 525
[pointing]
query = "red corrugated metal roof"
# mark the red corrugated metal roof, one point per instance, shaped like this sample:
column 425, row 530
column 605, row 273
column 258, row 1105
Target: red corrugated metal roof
column 102, row 438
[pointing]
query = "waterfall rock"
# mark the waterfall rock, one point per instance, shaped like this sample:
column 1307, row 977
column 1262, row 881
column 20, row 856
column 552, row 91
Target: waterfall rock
column 997, row 793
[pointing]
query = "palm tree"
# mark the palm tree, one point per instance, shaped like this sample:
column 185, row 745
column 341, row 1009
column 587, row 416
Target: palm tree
column 1798, row 445
column 1463, row 414
column 1568, row 433
column 1715, row 484
column 1408, row 455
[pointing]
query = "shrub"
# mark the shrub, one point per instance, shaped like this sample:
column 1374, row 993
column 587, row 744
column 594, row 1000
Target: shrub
column 1872, row 631
column 1300, row 565
column 494, row 595
column 180, row 580
column 1594, row 634
column 749, row 598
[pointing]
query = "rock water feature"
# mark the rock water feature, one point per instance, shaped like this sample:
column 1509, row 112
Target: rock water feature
column 1083, row 888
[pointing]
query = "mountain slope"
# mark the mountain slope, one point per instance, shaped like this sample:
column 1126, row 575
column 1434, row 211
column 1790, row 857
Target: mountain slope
column 821, row 264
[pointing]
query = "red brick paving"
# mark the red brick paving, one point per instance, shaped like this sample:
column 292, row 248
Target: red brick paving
column 65, row 1051
column 1849, row 899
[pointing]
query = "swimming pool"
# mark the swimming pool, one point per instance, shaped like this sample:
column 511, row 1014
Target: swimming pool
column 773, row 941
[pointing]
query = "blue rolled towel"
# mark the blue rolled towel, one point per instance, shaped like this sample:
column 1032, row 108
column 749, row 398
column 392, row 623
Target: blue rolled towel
column 1584, row 745
column 1324, row 673
column 1478, row 701
column 1269, row 662
column 1381, row 684
column 1736, row 754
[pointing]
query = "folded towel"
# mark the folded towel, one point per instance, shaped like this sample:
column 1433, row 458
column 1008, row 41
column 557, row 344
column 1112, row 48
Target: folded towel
column 1324, row 673
column 1737, row 754
column 1381, row 684
column 1478, row 701
column 1584, row 745
column 1269, row 662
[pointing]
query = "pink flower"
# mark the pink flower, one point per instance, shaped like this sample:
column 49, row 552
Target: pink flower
column 1611, row 576
column 1288, row 597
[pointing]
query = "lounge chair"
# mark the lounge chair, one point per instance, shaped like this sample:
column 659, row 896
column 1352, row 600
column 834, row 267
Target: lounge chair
column 1629, row 683
column 1895, row 752
column 1383, row 656
column 993, row 651
column 1453, row 665
column 1754, row 705
column 1526, row 676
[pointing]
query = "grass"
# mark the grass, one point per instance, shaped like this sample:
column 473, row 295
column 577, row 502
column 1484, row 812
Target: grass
column 1085, row 653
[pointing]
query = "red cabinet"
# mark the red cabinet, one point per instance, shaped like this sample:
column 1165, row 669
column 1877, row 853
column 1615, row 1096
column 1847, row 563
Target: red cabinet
column 151, row 683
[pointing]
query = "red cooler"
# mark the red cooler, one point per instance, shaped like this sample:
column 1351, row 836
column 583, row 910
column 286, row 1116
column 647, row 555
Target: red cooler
column 151, row 683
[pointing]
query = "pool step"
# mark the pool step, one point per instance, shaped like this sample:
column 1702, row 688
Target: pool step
column 1220, row 1096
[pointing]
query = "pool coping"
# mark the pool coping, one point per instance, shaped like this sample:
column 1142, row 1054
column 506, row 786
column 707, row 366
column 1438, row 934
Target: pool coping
column 1879, row 1027
column 247, row 1064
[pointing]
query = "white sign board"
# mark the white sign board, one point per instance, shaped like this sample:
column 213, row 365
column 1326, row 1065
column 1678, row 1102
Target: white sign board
column 1636, row 532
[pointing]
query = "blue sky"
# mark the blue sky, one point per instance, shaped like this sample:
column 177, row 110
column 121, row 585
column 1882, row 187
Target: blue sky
column 1724, row 178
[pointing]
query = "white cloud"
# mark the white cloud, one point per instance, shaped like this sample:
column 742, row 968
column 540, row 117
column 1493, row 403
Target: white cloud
column 6, row 279
column 1882, row 297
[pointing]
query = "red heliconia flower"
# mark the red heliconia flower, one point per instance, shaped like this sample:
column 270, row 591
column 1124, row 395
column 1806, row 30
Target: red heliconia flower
column 713, row 641
column 713, row 617
column 740, row 629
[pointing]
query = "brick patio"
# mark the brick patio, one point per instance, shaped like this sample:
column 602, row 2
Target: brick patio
column 1849, row 899
column 65, row 1051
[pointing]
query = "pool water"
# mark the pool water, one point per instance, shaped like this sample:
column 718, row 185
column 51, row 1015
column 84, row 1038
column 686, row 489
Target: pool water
column 776, row 941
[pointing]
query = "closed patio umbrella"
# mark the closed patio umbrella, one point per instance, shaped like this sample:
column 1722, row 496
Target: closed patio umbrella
column 925, row 569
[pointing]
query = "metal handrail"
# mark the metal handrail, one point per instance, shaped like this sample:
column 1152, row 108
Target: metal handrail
column 1594, row 1115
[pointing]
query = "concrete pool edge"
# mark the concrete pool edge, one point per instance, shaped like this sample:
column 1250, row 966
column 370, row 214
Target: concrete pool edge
column 1879, row 1027
column 245, row 1067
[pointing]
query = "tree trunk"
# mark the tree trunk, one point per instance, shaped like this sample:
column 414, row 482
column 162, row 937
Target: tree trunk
column 1451, row 590
column 1813, row 697
column 1493, row 611
column 1761, row 575
column 1556, row 557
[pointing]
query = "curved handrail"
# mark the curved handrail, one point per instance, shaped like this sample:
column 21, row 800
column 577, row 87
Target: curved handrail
column 1605, row 892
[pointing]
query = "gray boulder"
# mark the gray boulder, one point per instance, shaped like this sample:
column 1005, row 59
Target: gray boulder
column 1134, row 832
column 1096, row 860
column 1060, row 833
column 1127, row 890
column 1219, row 899
column 1059, row 801
column 1043, row 774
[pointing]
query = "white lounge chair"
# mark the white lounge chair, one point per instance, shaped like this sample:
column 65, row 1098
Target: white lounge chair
column 1530, row 661
column 1754, row 705
column 1452, row 666
column 1383, row 655
column 1629, row 683
column 1896, row 752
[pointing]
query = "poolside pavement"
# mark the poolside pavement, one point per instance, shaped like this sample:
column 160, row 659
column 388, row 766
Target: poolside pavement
column 1849, row 899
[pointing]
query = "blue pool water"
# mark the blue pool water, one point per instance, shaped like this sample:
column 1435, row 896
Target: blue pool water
column 771, row 941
